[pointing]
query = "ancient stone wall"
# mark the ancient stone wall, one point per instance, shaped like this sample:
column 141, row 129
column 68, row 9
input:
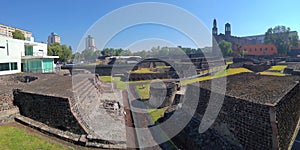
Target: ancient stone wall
column 287, row 116
column 239, row 122
column 52, row 111
column 7, row 110
column 162, row 95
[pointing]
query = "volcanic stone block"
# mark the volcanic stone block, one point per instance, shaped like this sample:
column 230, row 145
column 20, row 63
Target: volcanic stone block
column 50, row 110
column 259, row 112
column 162, row 94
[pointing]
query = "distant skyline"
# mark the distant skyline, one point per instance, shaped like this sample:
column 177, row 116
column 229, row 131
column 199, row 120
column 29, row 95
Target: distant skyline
column 71, row 19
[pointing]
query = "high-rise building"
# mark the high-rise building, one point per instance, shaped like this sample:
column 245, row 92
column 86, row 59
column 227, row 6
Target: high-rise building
column 53, row 38
column 90, row 43
column 7, row 31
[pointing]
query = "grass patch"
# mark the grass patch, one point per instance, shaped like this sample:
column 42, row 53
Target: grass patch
column 229, row 62
column 278, row 68
column 221, row 73
column 155, row 114
column 230, row 71
column 272, row 73
column 106, row 78
column 14, row 138
column 120, row 84
column 143, row 70
column 143, row 90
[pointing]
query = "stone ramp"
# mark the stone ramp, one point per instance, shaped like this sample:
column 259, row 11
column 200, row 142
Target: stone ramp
column 87, row 105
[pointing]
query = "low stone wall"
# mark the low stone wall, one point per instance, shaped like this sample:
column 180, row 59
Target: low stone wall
column 149, row 76
column 6, row 102
column 258, row 67
column 52, row 111
column 239, row 121
column 251, row 125
column 8, row 115
column 287, row 116
column 162, row 95
column 7, row 110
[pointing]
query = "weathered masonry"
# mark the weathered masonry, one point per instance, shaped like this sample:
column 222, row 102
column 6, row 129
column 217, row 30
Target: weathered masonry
column 259, row 112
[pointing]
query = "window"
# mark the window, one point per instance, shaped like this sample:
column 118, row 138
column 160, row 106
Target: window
column 260, row 49
column 4, row 66
column 28, row 50
column 14, row 66
column 255, row 49
column 272, row 49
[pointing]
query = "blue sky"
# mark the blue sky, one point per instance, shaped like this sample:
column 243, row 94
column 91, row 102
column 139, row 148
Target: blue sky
column 71, row 19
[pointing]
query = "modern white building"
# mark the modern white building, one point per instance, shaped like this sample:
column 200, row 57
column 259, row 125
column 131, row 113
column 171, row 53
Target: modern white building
column 24, row 56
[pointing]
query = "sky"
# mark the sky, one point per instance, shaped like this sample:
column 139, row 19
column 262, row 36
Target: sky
column 72, row 20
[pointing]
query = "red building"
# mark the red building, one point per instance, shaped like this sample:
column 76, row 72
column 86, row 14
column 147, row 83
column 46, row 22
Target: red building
column 256, row 50
column 295, row 50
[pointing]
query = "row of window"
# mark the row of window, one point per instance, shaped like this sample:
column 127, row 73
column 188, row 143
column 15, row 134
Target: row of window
column 8, row 66
column 259, row 49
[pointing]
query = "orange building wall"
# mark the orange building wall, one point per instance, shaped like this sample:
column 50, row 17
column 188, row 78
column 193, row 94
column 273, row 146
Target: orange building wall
column 257, row 49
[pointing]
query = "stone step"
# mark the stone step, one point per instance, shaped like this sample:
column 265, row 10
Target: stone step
column 90, row 89
column 82, row 85
column 78, row 82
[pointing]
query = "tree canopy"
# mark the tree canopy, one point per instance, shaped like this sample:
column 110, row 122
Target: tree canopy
column 17, row 34
column 64, row 52
column 282, row 38
column 226, row 48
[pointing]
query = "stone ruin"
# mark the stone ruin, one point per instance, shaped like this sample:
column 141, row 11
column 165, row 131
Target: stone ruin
column 77, row 110
column 259, row 112
column 162, row 94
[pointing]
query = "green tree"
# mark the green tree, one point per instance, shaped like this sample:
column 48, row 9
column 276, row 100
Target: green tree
column 17, row 34
column 54, row 49
column 280, row 37
column 64, row 52
column 76, row 56
column 89, row 55
column 226, row 48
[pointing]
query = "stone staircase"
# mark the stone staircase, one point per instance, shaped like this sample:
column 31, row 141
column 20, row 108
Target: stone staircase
column 87, row 107
column 86, row 100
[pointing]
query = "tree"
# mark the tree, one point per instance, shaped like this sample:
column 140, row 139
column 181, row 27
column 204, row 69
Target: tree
column 17, row 34
column 54, row 49
column 89, row 55
column 226, row 48
column 280, row 37
column 64, row 52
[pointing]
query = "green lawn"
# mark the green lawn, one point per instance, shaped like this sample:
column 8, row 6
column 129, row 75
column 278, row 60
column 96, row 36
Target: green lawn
column 221, row 73
column 120, row 84
column 143, row 70
column 272, row 73
column 12, row 138
column 143, row 92
column 278, row 68
column 155, row 114
column 229, row 63
column 163, row 67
